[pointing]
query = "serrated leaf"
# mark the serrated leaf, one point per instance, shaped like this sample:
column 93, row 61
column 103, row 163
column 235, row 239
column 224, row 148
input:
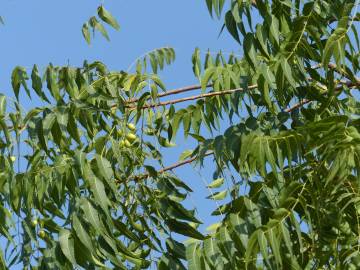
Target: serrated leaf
column 97, row 188
column 186, row 154
column 107, row 17
column 213, row 227
column 18, row 78
column 67, row 245
column 193, row 256
column 184, row 229
column 104, row 166
column 82, row 234
column 230, row 24
column 216, row 183
column 86, row 32
column 95, row 24
column 218, row 195
column 207, row 77
column 92, row 215
column 2, row 105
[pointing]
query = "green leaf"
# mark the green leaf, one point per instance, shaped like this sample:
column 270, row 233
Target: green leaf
column 176, row 248
column 184, row 229
column 107, row 17
column 73, row 128
column 288, row 72
column 97, row 188
column 251, row 248
column 218, row 195
column 95, row 24
column 249, row 50
column 18, row 78
column 193, row 256
column 168, row 262
column 2, row 260
column 52, row 84
column 213, row 227
column 80, row 160
column 212, row 252
column 216, row 183
column 275, row 245
column 86, row 32
column 230, row 24
column 209, row 6
column 37, row 83
column 176, row 210
column 105, row 168
column 335, row 45
column 67, row 245
column 82, row 234
column 92, row 215
column 196, row 63
column 186, row 154
column 207, row 77
column 2, row 105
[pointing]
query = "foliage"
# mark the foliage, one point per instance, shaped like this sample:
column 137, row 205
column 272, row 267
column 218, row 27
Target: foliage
column 88, row 194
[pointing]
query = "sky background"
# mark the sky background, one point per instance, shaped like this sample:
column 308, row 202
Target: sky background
column 43, row 31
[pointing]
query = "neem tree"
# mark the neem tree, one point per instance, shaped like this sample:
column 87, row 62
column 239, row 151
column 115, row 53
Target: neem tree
column 87, row 197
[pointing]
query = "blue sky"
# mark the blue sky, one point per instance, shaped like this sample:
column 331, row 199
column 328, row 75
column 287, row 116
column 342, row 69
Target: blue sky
column 40, row 31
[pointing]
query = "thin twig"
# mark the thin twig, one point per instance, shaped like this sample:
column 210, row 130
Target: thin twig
column 196, row 87
column 219, row 93
column 190, row 160
column 306, row 101
column 298, row 105
column 201, row 96
column 173, row 92
column 171, row 167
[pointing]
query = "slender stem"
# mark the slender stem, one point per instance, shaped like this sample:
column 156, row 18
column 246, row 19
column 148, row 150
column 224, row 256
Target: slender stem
column 298, row 105
column 197, row 87
column 306, row 101
column 171, row 167
column 201, row 96
column 174, row 92
column 179, row 164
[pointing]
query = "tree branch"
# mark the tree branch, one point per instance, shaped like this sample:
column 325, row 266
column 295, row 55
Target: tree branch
column 174, row 92
column 201, row 96
column 196, row 87
column 219, row 93
column 306, row 101
column 298, row 105
column 179, row 164
column 169, row 168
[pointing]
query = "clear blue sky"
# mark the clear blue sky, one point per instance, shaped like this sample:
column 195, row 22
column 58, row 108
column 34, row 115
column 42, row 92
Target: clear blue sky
column 43, row 31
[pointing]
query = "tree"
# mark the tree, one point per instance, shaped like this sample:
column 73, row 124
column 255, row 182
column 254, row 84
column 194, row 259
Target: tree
column 89, row 198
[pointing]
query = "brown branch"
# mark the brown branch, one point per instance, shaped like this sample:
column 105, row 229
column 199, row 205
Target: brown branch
column 219, row 93
column 342, row 72
column 306, row 101
column 196, row 87
column 174, row 92
column 201, row 96
column 298, row 105
column 190, row 160
column 169, row 168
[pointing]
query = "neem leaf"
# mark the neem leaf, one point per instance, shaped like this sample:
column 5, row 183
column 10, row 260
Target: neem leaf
column 86, row 32
column 67, row 245
column 216, row 183
column 184, row 229
column 107, row 17
column 218, row 195
column 2, row 105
